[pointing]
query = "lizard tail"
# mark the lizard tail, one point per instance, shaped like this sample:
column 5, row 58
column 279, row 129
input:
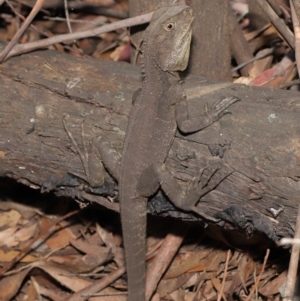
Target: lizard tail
column 134, row 240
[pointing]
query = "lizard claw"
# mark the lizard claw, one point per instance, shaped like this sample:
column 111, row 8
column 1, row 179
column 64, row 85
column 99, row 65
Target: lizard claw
column 218, row 110
column 223, row 103
column 197, row 180
column 200, row 184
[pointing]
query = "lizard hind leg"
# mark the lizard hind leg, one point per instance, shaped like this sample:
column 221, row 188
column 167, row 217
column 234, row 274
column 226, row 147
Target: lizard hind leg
column 187, row 198
column 110, row 157
column 94, row 158
column 148, row 182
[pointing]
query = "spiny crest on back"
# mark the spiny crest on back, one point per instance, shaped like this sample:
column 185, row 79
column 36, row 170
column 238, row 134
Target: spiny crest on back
column 143, row 67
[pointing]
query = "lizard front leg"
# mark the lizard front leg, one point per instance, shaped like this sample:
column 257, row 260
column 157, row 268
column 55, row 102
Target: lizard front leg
column 187, row 125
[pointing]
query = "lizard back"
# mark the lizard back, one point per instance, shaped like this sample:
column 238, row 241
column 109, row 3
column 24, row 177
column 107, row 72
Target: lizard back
column 150, row 132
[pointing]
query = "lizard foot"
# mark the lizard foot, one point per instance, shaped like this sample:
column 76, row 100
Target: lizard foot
column 218, row 109
column 186, row 199
column 93, row 167
column 200, row 185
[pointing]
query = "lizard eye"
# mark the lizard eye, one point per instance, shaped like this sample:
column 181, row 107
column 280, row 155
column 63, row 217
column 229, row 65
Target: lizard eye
column 169, row 26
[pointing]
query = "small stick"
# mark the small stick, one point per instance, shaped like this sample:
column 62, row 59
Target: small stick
column 255, row 286
column 263, row 54
column 224, row 276
column 23, row 19
column 23, row 48
column 38, row 5
column 162, row 260
column 293, row 266
column 67, row 16
column 97, row 286
column 296, row 5
column 278, row 23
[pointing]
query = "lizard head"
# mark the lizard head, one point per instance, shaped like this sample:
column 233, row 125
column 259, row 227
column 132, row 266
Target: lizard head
column 168, row 37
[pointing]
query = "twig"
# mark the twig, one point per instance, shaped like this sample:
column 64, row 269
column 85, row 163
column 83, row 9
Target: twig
column 255, row 286
column 296, row 7
column 67, row 16
column 287, row 85
column 47, row 18
column 23, row 19
column 224, row 276
column 290, row 241
column 23, row 48
column 86, row 292
column 104, row 294
column 60, row 19
column 38, row 5
column 162, row 260
column 297, row 35
column 99, row 10
column 257, row 57
column 30, row 5
column 293, row 266
column 278, row 23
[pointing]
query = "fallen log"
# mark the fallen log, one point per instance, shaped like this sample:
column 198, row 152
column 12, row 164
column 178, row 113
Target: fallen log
column 258, row 144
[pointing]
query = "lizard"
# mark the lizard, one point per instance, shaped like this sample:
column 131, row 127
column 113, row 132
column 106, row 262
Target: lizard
column 159, row 110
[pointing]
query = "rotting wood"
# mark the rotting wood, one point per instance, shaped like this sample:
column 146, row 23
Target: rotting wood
column 259, row 140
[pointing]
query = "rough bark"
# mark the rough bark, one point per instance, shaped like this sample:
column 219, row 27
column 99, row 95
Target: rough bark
column 210, row 49
column 259, row 141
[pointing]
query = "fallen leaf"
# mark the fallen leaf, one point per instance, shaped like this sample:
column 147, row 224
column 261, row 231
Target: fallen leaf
column 60, row 238
column 25, row 233
column 7, row 237
column 273, row 287
column 9, row 218
column 186, row 262
column 10, row 285
column 6, row 257
column 167, row 286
